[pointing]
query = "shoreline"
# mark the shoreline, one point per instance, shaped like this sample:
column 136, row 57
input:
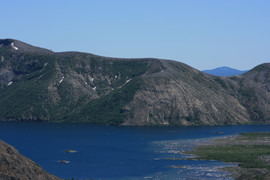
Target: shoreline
column 251, row 151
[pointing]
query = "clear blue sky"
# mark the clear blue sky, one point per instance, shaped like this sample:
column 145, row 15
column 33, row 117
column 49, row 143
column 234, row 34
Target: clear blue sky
column 201, row 33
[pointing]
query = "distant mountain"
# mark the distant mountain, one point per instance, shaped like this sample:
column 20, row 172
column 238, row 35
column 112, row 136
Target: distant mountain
column 40, row 85
column 224, row 71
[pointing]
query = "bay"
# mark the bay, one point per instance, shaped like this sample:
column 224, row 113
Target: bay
column 113, row 152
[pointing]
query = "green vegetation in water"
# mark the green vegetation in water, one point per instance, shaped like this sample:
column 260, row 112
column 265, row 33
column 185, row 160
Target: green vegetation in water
column 246, row 155
column 254, row 135
column 250, row 150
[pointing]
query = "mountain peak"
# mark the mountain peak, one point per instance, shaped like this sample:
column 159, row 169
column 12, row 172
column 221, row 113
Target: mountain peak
column 19, row 46
column 224, row 71
column 224, row 68
column 6, row 42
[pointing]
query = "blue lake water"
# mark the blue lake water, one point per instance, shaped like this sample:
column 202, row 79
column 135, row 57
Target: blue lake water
column 111, row 152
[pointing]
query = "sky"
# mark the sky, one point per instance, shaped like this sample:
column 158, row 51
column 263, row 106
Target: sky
column 204, row 34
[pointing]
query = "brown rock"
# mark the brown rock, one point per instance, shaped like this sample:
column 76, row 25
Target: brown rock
column 14, row 166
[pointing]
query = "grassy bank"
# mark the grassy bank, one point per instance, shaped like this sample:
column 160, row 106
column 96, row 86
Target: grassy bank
column 250, row 150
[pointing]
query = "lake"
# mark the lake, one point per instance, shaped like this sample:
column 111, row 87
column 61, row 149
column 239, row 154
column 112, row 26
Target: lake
column 112, row 152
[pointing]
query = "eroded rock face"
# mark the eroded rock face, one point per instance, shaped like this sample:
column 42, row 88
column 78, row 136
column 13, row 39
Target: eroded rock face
column 254, row 89
column 14, row 166
column 184, row 96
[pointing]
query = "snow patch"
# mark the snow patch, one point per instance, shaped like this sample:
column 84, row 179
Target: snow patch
column 61, row 79
column 125, row 83
column 165, row 123
column 92, row 80
column 162, row 71
column 14, row 47
column 9, row 83
column 94, row 88
column 85, row 83
column 115, row 76
column 2, row 58
column 44, row 66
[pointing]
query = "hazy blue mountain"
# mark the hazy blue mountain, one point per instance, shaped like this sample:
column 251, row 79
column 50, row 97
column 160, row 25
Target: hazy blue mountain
column 224, row 71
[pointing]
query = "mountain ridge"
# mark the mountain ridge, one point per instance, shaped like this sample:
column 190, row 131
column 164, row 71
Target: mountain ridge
column 83, row 87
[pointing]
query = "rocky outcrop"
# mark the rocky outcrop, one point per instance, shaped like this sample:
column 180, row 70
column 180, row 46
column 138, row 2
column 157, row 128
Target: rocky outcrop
column 14, row 166
column 41, row 85
column 181, row 95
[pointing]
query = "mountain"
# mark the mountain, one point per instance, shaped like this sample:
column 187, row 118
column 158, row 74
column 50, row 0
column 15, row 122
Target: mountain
column 40, row 85
column 224, row 71
column 13, row 166
column 254, row 91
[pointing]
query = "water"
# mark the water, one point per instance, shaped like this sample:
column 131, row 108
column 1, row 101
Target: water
column 111, row 152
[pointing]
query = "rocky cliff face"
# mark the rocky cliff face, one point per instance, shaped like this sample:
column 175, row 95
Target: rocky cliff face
column 181, row 95
column 40, row 85
column 14, row 166
column 253, row 91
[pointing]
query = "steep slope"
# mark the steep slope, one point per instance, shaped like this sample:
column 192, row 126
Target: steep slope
column 46, row 86
column 14, row 166
column 224, row 71
column 40, row 85
column 181, row 95
column 253, row 91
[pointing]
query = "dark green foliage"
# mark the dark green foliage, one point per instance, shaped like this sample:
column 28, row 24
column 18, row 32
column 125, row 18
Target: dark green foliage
column 29, row 97
column 221, row 82
column 25, row 98
column 108, row 109
column 267, row 75
column 195, row 118
column 16, row 102
column 233, row 78
column 249, row 94
column 118, row 71
column 258, row 113
column 259, row 177
column 5, row 42
column 249, row 99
